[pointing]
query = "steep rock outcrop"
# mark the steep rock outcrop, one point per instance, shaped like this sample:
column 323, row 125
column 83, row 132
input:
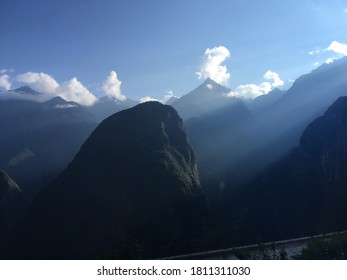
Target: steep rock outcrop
column 133, row 181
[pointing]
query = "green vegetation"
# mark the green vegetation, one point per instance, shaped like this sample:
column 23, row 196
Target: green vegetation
column 334, row 248
column 262, row 253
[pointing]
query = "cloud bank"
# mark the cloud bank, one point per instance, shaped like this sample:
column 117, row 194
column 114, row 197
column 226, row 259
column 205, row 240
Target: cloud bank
column 111, row 86
column 147, row 99
column 211, row 65
column 329, row 60
column 72, row 90
column 252, row 90
column 5, row 82
column 169, row 94
column 41, row 82
column 337, row 47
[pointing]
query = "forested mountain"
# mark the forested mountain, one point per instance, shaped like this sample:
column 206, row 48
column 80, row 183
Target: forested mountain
column 134, row 180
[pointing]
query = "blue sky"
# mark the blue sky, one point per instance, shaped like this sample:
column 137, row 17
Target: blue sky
column 155, row 46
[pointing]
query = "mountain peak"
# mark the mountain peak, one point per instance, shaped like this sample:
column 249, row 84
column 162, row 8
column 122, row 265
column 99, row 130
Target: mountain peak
column 209, row 80
column 57, row 100
column 207, row 97
column 27, row 90
column 134, row 177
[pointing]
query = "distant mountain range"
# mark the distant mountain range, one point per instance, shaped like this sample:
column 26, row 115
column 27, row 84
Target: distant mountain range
column 39, row 139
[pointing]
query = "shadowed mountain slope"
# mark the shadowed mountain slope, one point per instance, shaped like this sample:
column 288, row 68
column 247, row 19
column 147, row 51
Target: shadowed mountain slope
column 304, row 193
column 12, row 205
column 135, row 178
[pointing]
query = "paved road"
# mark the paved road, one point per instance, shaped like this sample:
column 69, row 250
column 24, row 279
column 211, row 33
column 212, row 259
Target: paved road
column 292, row 247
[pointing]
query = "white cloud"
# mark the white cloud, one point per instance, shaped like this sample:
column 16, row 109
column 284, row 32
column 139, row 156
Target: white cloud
column 316, row 64
column 316, row 51
column 5, row 82
column 252, row 90
column 329, row 60
column 111, row 86
column 246, row 91
column 211, row 65
column 169, row 94
column 4, row 71
column 148, row 99
column 209, row 86
column 270, row 75
column 72, row 90
column 41, row 82
column 64, row 106
column 337, row 47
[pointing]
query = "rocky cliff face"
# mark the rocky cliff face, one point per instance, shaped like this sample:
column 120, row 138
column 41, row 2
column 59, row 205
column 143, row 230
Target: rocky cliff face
column 134, row 181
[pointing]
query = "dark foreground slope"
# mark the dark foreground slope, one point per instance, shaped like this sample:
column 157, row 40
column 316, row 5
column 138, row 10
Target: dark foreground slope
column 305, row 192
column 131, row 191
column 12, row 205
